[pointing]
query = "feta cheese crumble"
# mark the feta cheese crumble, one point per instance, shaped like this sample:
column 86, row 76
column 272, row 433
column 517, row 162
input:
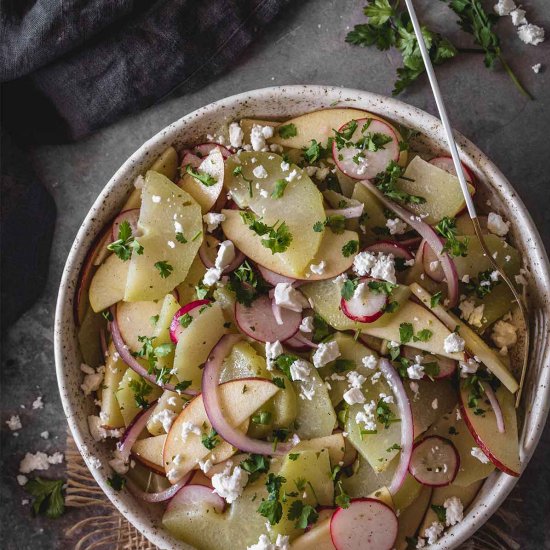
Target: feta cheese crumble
column 355, row 379
column 518, row 17
column 454, row 343
column 536, row 68
column 93, row 378
column 258, row 136
column 213, row 220
column 476, row 452
column 504, row 334
column 260, row 172
column 370, row 362
column 229, row 485
column 236, row 135
column 264, row 543
column 307, row 324
column 226, row 254
column 531, row 34
column 165, row 418
column 396, row 226
column 496, row 225
column 38, row 404
column 318, row 269
column 353, row 396
column 189, row 428
column 468, row 367
column 366, row 417
column 287, row 296
column 504, row 7
column 454, row 511
column 379, row 266
column 272, row 351
column 39, row 461
column 433, row 532
column 14, row 423
column 325, row 353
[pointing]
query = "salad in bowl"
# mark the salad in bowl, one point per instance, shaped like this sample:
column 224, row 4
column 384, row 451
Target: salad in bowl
column 294, row 338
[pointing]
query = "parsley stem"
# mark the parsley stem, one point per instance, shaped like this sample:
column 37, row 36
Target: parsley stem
column 514, row 78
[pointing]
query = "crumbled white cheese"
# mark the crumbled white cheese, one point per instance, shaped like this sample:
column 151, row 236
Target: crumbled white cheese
column 307, row 324
column 22, row 480
column 287, row 296
column 415, row 389
column 454, row 511
column 14, row 423
column 264, row 543
column 189, row 428
column 300, row 371
column 98, row 432
column 531, row 34
column 156, row 198
column 118, row 464
column 433, row 532
column 93, row 378
column 536, row 69
column 396, row 226
column 353, row 396
column 435, row 404
column 325, row 353
column 518, row 17
column 272, row 351
column 38, row 403
column 465, row 278
column 379, row 266
column 39, row 461
column 366, row 417
column 496, row 225
column 226, row 254
column 454, row 343
column 212, row 276
column 165, row 417
column 229, row 485
column 504, row 7
column 504, row 334
column 258, row 136
column 172, row 401
column 421, row 543
column 468, row 367
column 415, row 371
column 292, row 176
column 318, row 269
column 236, row 135
column 355, row 379
column 471, row 313
column 45, row 434
column 370, row 362
column 205, row 465
column 476, row 452
column 213, row 220
column 260, row 172
column 285, row 166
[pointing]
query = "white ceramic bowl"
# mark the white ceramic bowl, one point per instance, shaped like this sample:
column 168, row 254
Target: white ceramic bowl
column 287, row 101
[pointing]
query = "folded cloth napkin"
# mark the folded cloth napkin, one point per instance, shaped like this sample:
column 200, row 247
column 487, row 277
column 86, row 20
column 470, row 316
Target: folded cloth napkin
column 70, row 67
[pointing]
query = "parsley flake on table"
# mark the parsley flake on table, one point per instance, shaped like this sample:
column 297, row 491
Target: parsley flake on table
column 48, row 496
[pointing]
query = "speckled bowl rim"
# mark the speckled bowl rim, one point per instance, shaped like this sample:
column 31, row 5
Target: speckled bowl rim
column 294, row 100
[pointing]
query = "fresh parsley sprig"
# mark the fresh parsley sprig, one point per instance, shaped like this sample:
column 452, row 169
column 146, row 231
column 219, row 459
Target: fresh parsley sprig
column 447, row 229
column 386, row 182
column 206, row 179
column 48, row 496
column 277, row 237
column 126, row 242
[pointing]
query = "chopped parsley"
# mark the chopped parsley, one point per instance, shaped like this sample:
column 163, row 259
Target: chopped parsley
column 384, row 414
column 279, row 382
column 321, row 328
column 293, row 456
column 284, row 361
column 277, row 236
column 350, row 248
column 164, row 269
column 406, row 334
column 447, row 229
column 151, row 352
column 238, row 171
column 203, row 177
column 262, row 418
column 271, row 508
column 48, row 496
column 314, row 152
column 435, row 299
column 116, row 481
column 348, row 288
column 386, row 181
column 246, row 284
column 255, row 465
column 287, row 131
column 342, row 499
column 483, row 284
column 210, row 440
column 440, row 512
column 182, row 386
column 336, row 223
column 180, row 238
column 279, row 191
column 141, row 390
column 126, row 243
column 304, row 514
column 185, row 320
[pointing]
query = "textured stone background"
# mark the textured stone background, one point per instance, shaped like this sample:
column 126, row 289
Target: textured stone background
column 306, row 45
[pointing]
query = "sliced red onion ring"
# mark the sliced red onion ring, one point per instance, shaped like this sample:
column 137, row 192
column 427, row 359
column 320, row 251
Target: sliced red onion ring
column 211, row 400
column 407, row 428
column 349, row 213
column 208, row 253
column 302, row 340
column 273, row 278
column 131, row 216
column 203, row 150
column 429, row 234
column 495, row 405
column 391, row 247
column 131, row 361
column 161, row 496
column 432, row 263
column 133, row 431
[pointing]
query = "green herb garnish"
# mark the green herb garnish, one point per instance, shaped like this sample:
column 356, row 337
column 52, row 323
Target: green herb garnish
column 126, row 243
column 203, row 177
column 164, row 268
column 48, row 496
column 287, row 131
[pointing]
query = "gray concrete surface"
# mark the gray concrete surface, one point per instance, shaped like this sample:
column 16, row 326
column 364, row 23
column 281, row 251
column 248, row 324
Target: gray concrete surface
column 306, row 45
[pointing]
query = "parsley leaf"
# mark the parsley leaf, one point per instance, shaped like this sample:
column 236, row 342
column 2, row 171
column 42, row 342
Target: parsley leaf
column 447, row 228
column 386, row 181
column 342, row 499
column 164, row 269
column 182, row 386
column 180, row 238
column 246, row 284
column 211, row 439
column 321, row 328
column 203, row 177
column 278, row 237
column 287, row 131
column 348, row 288
column 406, row 332
column 185, row 320
column 304, row 514
column 284, row 362
column 255, row 465
column 279, row 382
column 141, row 390
column 126, row 243
column 350, row 248
column 423, row 335
column 436, row 298
column 48, row 496
column 440, row 512
column 116, row 481
column 271, row 508
column 279, row 191
column 314, row 152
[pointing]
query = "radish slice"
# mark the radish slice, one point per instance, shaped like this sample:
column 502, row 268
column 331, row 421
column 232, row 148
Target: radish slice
column 447, row 366
column 407, row 427
column 411, row 242
column 348, row 213
column 131, row 361
column 161, row 496
column 366, row 305
column 211, row 400
column 391, row 247
column 273, row 278
column 495, row 405
column 301, row 341
column 258, row 321
column 131, row 216
column 296, row 344
column 429, row 234
column 192, row 496
column 360, row 163
column 133, row 431
column 277, row 313
column 190, row 158
column 367, row 524
column 434, row 461
column 203, row 150
column 193, row 309
column 208, row 252
column 447, row 164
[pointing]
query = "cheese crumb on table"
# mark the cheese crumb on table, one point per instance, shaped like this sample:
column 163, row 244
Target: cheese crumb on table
column 536, row 68
column 14, row 423
column 531, row 34
column 504, row 7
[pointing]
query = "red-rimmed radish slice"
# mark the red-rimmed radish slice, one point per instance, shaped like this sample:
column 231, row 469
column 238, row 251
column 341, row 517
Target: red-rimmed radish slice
column 432, row 264
column 447, row 164
column 209, row 250
column 366, row 305
column 130, row 216
column 410, row 242
column 193, row 309
column 300, row 342
column 190, row 158
column 273, row 278
column 213, row 408
column 133, row 363
column 367, row 524
column 429, row 234
column 407, row 426
column 434, row 461
column 258, row 321
column 499, row 417
column 349, row 159
column 447, row 366
column 348, row 213
column 192, row 496
column 391, row 247
column 204, row 149
column 161, row 496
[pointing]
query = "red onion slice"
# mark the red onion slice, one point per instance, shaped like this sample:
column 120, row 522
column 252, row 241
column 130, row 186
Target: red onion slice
column 273, row 278
column 429, row 234
column 391, row 247
column 190, row 158
column 495, row 405
column 161, row 496
column 407, row 428
column 133, row 431
column 131, row 361
column 131, row 216
column 192, row 308
column 349, row 213
column 211, row 400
